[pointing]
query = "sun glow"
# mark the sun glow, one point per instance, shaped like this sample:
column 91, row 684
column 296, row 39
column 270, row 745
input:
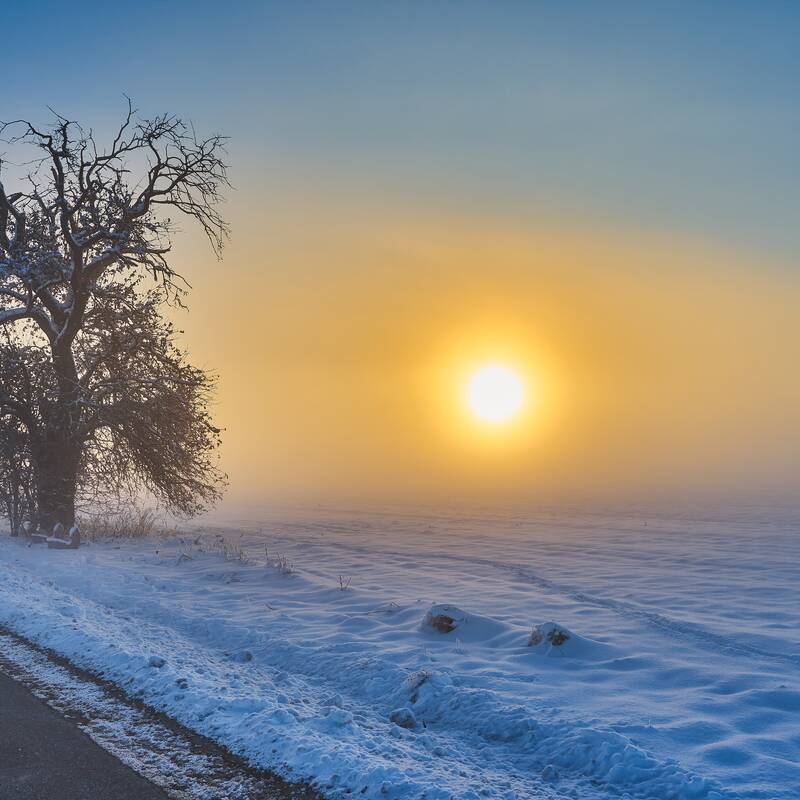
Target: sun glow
column 495, row 393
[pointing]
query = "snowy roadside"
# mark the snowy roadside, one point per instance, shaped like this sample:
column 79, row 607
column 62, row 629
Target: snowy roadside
column 183, row 765
column 343, row 687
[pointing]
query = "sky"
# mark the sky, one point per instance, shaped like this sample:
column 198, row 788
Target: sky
column 604, row 196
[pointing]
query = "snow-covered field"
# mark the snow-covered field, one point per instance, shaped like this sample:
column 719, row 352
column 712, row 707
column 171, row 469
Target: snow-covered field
column 680, row 677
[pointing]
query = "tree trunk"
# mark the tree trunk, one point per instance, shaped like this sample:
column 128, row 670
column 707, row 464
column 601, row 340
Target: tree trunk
column 14, row 511
column 57, row 483
column 58, row 452
column 13, row 500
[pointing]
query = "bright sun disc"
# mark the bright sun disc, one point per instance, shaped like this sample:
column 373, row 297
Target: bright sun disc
column 495, row 393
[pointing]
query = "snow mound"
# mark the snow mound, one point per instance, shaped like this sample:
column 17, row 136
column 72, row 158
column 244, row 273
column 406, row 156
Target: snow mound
column 472, row 628
column 444, row 618
column 551, row 639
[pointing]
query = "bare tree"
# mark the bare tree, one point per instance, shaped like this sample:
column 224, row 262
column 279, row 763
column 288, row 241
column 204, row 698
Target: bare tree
column 75, row 237
column 16, row 477
column 146, row 423
column 17, row 472
column 17, row 485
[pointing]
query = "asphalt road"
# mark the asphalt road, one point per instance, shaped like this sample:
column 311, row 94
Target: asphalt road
column 46, row 757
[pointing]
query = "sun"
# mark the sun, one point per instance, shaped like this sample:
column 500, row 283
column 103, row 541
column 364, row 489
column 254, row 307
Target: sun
column 495, row 393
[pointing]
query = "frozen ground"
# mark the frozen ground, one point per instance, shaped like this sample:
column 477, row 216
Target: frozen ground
column 680, row 677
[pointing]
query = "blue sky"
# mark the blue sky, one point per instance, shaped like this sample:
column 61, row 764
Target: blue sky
column 677, row 116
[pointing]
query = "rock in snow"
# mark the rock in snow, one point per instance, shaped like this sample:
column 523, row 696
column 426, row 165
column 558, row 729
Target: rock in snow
column 59, row 542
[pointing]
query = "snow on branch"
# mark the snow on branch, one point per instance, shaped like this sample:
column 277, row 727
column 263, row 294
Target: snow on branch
column 84, row 210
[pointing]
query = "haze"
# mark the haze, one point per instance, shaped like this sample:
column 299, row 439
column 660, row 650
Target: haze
column 425, row 188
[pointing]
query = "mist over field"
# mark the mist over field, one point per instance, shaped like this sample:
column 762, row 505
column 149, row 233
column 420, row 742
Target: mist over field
column 657, row 368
